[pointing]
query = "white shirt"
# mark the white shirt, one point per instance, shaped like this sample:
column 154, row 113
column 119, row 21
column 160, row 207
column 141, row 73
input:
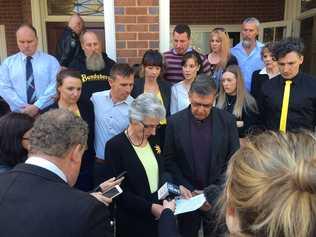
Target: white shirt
column 46, row 164
column 179, row 97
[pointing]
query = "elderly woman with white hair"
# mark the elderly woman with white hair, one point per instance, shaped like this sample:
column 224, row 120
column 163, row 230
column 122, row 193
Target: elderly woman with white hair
column 137, row 151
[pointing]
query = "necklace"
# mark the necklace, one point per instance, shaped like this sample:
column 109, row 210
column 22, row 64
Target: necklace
column 130, row 139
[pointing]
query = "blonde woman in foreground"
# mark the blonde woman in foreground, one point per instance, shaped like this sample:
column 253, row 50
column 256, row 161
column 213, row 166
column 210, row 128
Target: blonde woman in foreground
column 271, row 187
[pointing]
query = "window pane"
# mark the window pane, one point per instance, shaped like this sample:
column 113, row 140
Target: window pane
column 307, row 5
column 268, row 35
column 69, row 7
column 279, row 33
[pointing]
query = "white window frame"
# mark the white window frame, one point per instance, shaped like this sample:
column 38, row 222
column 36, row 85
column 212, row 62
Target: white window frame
column 3, row 44
column 275, row 24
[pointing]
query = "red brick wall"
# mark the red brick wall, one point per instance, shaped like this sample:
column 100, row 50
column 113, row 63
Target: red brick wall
column 137, row 26
column 12, row 14
column 224, row 11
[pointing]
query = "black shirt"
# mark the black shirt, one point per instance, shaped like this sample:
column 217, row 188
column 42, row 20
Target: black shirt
column 257, row 80
column 302, row 103
column 93, row 81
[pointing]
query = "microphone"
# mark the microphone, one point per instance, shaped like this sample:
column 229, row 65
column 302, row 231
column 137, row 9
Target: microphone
column 168, row 191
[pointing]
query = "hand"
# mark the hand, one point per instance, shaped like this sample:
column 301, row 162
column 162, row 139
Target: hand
column 101, row 198
column 31, row 110
column 197, row 192
column 106, row 185
column 156, row 210
column 169, row 204
column 185, row 193
column 206, row 206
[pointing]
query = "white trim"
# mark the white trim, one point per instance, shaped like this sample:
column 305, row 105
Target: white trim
column 37, row 19
column 109, row 28
column 3, row 43
column 307, row 14
column 164, row 25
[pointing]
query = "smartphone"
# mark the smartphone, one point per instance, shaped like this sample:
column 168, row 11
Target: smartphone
column 121, row 175
column 113, row 192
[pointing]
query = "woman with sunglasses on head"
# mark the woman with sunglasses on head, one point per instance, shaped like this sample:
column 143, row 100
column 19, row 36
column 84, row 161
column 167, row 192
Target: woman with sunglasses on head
column 137, row 152
column 220, row 56
column 14, row 132
column 234, row 98
column 191, row 67
column 69, row 86
column 151, row 81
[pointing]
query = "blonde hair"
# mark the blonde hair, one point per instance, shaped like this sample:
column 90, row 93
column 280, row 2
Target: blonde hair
column 271, row 183
column 225, row 49
column 243, row 99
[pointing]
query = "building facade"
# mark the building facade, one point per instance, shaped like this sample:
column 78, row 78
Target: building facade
column 138, row 25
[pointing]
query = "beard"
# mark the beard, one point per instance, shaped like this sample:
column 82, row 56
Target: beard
column 95, row 62
column 246, row 43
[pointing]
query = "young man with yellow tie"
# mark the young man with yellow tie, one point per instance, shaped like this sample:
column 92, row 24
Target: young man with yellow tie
column 288, row 101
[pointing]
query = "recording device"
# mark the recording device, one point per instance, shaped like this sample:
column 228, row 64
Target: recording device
column 113, row 192
column 168, row 191
column 121, row 175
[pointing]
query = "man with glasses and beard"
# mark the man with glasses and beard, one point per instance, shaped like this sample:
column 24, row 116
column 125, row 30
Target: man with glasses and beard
column 95, row 66
column 248, row 51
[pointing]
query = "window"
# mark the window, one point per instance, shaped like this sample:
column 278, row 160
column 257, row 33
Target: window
column 69, row 7
column 307, row 5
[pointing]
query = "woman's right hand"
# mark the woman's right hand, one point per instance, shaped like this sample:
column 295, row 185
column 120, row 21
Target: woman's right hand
column 156, row 210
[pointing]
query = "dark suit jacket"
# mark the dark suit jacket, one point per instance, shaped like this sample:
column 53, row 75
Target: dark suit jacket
column 164, row 87
column 167, row 226
column 178, row 147
column 35, row 202
column 85, row 179
column 133, row 215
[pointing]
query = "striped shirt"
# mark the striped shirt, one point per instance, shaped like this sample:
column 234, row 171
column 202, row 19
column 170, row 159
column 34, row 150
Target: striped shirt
column 173, row 72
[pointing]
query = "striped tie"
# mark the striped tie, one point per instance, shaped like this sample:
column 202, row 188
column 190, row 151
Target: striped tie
column 285, row 105
column 30, row 86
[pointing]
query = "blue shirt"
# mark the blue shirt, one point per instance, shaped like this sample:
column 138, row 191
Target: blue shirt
column 13, row 80
column 248, row 63
column 110, row 119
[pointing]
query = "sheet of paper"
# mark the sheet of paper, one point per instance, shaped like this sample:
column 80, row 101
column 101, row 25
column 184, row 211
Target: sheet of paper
column 187, row 205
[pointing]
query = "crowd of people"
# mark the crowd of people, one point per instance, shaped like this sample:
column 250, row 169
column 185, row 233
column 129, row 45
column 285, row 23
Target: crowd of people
column 236, row 125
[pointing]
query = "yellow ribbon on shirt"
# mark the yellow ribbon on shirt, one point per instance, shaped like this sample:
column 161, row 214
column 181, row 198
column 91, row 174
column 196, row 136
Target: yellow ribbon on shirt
column 285, row 105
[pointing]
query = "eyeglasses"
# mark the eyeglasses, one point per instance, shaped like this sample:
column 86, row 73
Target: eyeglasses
column 151, row 126
column 204, row 106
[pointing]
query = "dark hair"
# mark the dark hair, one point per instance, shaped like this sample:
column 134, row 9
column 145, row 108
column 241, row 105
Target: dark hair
column 203, row 85
column 64, row 74
column 288, row 45
column 152, row 58
column 12, row 128
column 121, row 69
column 269, row 46
column 182, row 28
column 195, row 56
column 28, row 25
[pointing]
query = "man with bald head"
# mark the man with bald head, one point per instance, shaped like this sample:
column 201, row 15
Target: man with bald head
column 28, row 78
column 95, row 66
column 68, row 46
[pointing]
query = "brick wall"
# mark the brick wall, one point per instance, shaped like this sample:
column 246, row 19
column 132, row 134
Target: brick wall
column 224, row 11
column 12, row 14
column 137, row 28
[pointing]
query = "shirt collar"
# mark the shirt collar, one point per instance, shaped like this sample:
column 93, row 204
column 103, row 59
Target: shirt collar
column 46, row 164
column 263, row 71
column 174, row 51
column 35, row 55
column 128, row 100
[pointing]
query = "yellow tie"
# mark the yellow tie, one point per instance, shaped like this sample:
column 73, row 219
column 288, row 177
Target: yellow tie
column 285, row 105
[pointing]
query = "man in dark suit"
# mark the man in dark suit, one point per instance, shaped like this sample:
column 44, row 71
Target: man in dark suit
column 199, row 142
column 36, row 198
